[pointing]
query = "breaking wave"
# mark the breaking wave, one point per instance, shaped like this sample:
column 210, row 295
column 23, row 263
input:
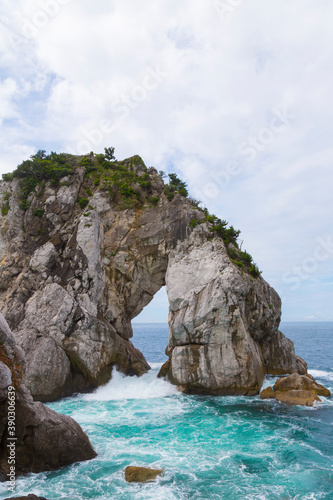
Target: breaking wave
column 121, row 387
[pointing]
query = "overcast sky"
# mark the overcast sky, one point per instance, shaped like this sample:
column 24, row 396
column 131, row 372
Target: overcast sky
column 235, row 96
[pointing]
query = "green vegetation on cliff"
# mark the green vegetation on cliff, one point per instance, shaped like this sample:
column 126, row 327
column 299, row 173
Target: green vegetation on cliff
column 240, row 258
column 175, row 186
column 128, row 183
column 42, row 167
column 5, row 207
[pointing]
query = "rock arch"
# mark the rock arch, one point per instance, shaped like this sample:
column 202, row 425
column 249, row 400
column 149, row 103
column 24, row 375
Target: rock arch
column 70, row 297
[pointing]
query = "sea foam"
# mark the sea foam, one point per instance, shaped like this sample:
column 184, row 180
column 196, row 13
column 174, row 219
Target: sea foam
column 121, row 387
column 322, row 374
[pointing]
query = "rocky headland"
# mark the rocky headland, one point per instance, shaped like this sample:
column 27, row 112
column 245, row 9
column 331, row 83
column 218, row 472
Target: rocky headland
column 86, row 242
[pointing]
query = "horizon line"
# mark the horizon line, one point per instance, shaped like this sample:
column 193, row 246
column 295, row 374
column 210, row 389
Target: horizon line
column 282, row 321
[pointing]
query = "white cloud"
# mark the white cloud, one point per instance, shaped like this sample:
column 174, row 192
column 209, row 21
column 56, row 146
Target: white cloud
column 65, row 73
column 8, row 89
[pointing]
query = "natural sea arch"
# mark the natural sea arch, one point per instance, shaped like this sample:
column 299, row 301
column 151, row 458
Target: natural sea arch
column 223, row 324
column 71, row 307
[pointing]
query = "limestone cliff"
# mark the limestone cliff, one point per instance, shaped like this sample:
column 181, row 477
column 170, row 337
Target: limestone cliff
column 83, row 254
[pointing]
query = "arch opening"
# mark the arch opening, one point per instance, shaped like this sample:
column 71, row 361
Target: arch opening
column 151, row 331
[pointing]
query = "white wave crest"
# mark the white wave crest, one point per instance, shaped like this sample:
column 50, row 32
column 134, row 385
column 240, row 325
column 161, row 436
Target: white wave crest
column 121, row 388
column 321, row 374
column 155, row 366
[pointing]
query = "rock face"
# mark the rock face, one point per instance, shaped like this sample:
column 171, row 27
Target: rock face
column 279, row 356
column 296, row 390
column 73, row 278
column 45, row 440
column 223, row 323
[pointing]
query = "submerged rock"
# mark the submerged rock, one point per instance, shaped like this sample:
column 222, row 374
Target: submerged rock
column 296, row 390
column 141, row 474
column 74, row 275
column 45, row 440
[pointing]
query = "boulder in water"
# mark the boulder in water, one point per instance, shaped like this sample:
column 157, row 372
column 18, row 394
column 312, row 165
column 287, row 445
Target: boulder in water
column 294, row 397
column 267, row 393
column 141, row 474
column 296, row 390
column 300, row 383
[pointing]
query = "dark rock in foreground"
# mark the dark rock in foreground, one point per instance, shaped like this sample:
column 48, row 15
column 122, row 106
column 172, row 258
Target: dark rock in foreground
column 29, row 497
column 141, row 474
column 45, row 440
column 296, row 390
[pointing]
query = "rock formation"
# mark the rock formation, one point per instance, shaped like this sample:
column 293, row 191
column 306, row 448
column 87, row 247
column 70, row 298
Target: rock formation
column 223, row 323
column 45, row 440
column 83, row 254
column 296, row 390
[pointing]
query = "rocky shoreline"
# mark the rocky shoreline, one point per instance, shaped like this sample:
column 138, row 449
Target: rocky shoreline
column 81, row 257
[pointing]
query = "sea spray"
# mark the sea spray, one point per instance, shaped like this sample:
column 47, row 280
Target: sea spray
column 321, row 374
column 145, row 387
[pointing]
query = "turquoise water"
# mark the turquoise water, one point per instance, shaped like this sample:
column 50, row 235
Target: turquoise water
column 209, row 447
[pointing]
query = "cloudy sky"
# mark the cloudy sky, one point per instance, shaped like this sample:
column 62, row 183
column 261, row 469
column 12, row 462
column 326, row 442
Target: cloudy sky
column 233, row 95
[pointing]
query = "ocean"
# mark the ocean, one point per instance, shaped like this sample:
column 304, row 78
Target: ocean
column 209, row 447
